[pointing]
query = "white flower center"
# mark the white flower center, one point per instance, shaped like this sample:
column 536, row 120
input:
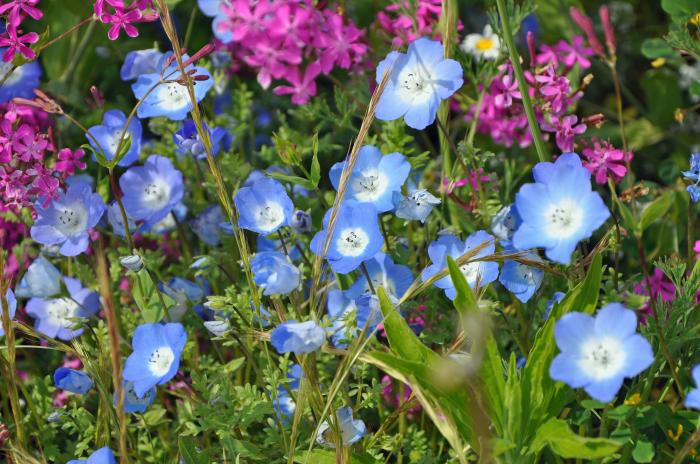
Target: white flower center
column 525, row 273
column 12, row 78
column 270, row 216
column 471, row 271
column 369, row 185
column 564, row 218
column 72, row 219
column 415, row 84
column 156, row 194
column 352, row 242
column 113, row 141
column 60, row 311
column 172, row 96
column 601, row 358
column 160, row 360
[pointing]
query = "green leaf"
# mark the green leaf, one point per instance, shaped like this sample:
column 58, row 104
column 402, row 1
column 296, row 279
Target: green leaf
column 556, row 434
column 315, row 166
column 680, row 9
column 104, row 162
column 643, row 452
column 662, row 96
column 319, row 456
column 306, row 183
column 654, row 210
column 695, row 88
column 190, row 453
column 656, row 48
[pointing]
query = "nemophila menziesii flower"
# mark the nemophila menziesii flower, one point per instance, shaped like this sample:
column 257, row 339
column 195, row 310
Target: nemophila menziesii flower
column 140, row 62
column 420, row 79
column 68, row 218
column 207, row 225
column 692, row 400
column 101, row 456
column 384, row 272
column 71, row 380
column 297, row 337
column 475, row 271
column 151, row 191
column 169, row 97
column 341, row 308
column 263, row 206
column 416, row 206
column 693, row 175
column 556, row 298
column 11, row 309
column 156, row 355
column 351, row 430
column 374, row 178
column 505, row 223
column 520, row 279
column 188, row 141
column 274, row 273
column 57, row 317
column 559, row 209
column 132, row 402
column 356, row 237
column 21, row 83
column 106, row 137
column 42, row 280
column 598, row 353
column 116, row 220
column 301, row 221
column 486, row 45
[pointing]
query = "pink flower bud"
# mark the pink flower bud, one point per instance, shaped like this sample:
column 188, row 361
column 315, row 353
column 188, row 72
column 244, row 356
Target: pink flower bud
column 604, row 14
column 586, row 25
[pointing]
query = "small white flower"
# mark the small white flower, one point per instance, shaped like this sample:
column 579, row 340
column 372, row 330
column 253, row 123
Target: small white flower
column 486, row 45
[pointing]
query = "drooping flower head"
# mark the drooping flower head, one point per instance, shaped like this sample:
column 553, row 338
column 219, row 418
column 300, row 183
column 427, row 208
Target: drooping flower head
column 263, row 206
column 505, row 223
column 297, row 337
column 188, row 141
column 71, row 380
column 485, row 46
column 356, row 237
column 101, row 456
column 520, row 279
column 108, row 135
column 151, row 191
column 419, row 80
column 274, row 273
column 132, row 402
column 559, row 210
column 374, row 178
column 598, row 353
column 68, row 218
column 156, row 356
column 351, row 430
column 416, row 206
column 475, row 271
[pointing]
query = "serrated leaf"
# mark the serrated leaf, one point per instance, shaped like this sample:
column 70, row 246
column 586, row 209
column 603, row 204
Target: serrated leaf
column 556, row 434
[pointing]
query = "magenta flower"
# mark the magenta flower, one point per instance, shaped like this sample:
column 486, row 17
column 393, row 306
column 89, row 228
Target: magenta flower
column 554, row 88
column 69, row 160
column 291, row 24
column 244, row 19
column 273, row 60
column 574, row 53
column 340, row 44
column 16, row 8
column 302, row 89
column 29, row 145
column 603, row 161
column 121, row 19
column 45, row 186
column 566, row 130
column 507, row 89
column 661, row 287
column 15, row 43
column 547, row 55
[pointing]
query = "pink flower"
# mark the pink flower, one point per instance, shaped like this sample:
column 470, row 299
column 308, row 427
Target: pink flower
column 574, row 53
column 29, row 145
column 121, row 19
column 554, row 88
column 273, row 60
column 566, row 130
column 547, row 55
column 15, row 43
column 16, row 8
column 44, row 185
column 508, row 88
column 661, row 287
column 603, row 161
column 69, row 160
column 291, row 23
column 340, row 44
column 302, row 89
column 245, row 19
column 586, row 25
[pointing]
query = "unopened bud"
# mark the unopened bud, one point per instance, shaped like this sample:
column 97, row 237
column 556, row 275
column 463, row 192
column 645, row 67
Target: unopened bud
column 217, row 328
column 132, row 263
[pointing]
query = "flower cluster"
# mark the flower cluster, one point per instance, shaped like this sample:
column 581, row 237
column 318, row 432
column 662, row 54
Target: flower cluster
column 404, row 21
column 120, row 16
column 12, row 39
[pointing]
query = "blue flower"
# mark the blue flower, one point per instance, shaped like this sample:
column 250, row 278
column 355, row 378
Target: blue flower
column 693, row 175
column 71, row 380
column 301, row 221
column 55, row 318
column 559, row 209
column 140, row 62
column 163, row 96
column 116, row 220
column 263, row 206
column 263, row 243
column 68, row 218
column 351, row 430
column 274, row 273
column 556, row 298
column 11, row 306
column 151, row 191
column 598, row 353
column 356, row 237
column 132, row 403
column 692, row 400
column 156, row 356
column 284, row 405
column 369, row 315
column 374, row 178
column 109, row 134
column 207, row 225
column 168, row 223
column 297, row 337
column 481, row 272
column 101, row 456
column 341, row 309
column 21, row 83
column 187, row 140
column 182, row 291
column 395, row 278
column 210, row 8
column 416, row 206
column 520, row 279
column 420, row 79
column 505, row 223
column 294, row 375
column 42, row 280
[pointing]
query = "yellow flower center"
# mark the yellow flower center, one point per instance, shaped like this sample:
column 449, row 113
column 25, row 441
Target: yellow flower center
column 484, row 44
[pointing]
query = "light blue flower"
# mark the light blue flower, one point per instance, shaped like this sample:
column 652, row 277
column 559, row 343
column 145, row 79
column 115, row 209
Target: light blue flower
column 21, row 83
column 374, row 178
column 598, row 353
column 101, row 456
column 71, row 380
column 294, row 375
column 42, row 280
column 297, row 337
column 132, row 403
column 207, row 225
column 342, row 311
column 301, row 221
column 369, row 315
column 11, row 306
column 520, row 279
column 351, row 430
column 151, row 191
column 188, row 141
column 68, row 218
column 395, row 278
column 263, row 243
column 693, row 175
column 169, row 98
column 505, row 223
column 109, row 134
column 186, row 294
column 116, row 220
column 475, row 271
column 356, row 237
column 284, row 405
column 274, row 273
column 692, row 400
column 559, row 209
column 416, row 206
column 556, row 298
column 140, row 62
column 156, row 355
column 168, row 223
column 56, row 318
column 420, row 79
column 210, row 8
column 263, row 206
